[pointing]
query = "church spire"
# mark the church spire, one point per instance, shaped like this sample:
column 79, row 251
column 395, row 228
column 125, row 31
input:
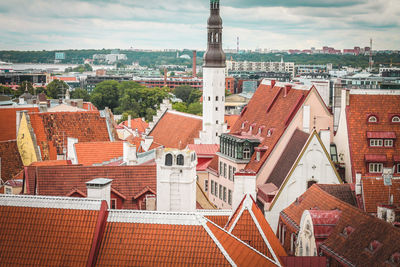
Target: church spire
column 214, row 56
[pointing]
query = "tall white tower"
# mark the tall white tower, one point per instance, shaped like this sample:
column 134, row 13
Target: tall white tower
column 213, row 80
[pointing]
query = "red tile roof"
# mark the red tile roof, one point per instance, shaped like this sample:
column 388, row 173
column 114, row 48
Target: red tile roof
column 138, row 124
column 376, row 193
column 8, row 128
column 353, row 249
column 11, row 163
column 173, row 239
column 359, row 109
column 204, row 150
column 47, row 231
column 265, row 110
column 89, row 106
column 176, row 129
column 249, row 224
column 230, row 120
column 60, row 180
column 51, row 163
column 89, row 153
column 52, row 130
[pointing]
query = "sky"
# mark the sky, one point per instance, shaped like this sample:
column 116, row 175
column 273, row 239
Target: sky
column 181, row 24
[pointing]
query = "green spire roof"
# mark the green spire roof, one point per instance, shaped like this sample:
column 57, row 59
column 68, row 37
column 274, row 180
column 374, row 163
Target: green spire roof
column 214, row 1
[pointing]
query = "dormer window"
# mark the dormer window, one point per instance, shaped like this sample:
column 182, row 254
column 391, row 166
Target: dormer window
column 269, row 133
column 246, row 152
column 375, row 167
column 374, row 246
column 372, row 119
column 395, row 259
column 396, row 119
column 388, row 142
column 376, row 142
column 347, row 231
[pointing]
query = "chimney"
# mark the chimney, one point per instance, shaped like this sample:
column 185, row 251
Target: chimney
column 287, row 89
column 129, row 154
column 273, row 82
column 358, row 183
column 176, row 179
column 21, row 101
column 245, row 183
column 129, row 121
column 71, row 154
column 148, row 140
column 194, row 64
column 99, row 188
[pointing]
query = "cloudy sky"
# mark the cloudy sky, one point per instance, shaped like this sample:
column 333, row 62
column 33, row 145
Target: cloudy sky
column 155, row 24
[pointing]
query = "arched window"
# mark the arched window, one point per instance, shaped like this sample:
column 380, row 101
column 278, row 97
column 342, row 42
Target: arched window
column 396, row 119
column 246, row 153
column 179, row 160
column 168, row 160
column 372, row 118
column 216, row 98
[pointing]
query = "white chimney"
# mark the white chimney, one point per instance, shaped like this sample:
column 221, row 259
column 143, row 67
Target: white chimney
column 358, row 183
column 325, row 136
column 21, row 101
column 129, row 154
column 306, row 119
column 129, row 121
column 148, row 140
column 176, row 179
column 99, row 188
column 245, row 183
column 71, row 152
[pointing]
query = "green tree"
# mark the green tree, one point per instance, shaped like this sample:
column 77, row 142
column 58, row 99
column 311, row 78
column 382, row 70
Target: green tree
column 105, row 94
column 56, row 89
column 80, row 93
column 25, row 86
column 179, row 106
column 149, row 114
column 195, row 108
column 194, row 96
column 4, row 90
column 183, row 92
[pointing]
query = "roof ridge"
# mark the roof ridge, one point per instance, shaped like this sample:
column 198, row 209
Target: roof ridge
column 185, row 114
column 50, row 202
column 155, row 217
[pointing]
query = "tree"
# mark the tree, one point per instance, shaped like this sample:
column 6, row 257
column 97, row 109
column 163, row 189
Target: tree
column 179, row 106
column 80, row 93
column 149, row 114
column 183, row 92
column 195, row 108
column 56, row 89
column 194, row 96
column 4, row 90
column 105, row 94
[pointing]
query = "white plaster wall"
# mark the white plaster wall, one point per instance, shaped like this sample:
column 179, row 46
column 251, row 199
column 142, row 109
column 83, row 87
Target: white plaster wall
column 103, row 193
column 213, row 86
column 313, row 165
column 71, row 152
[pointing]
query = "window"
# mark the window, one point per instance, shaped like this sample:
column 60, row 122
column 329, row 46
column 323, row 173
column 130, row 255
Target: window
column 233, row 174
column 375, row 142
column 246, row 153
column 216, row 189
column 8, row 191
column 229, row 197
column 224, row 194
column 212, row 187
column 310, row 183
column 283, row 234
column 179, row 159
column 216, row 108
column 372, row 118
column 292, row 242
column 216, row 122
column 168, row 160
column 216, row 98
column 209, row 98
column 375, row 167
column 398, row 168
column 230, row 173
column 388, row 142
column 221, row 169
column 220, row 192
column 206, row 185
column 225, row 170
column 113, row 203
column 396, row 119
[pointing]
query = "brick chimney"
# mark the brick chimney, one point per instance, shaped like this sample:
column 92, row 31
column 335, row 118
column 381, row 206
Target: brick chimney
column 273, row 82
column 287, row 89
column 194, row 64
column 99, row 188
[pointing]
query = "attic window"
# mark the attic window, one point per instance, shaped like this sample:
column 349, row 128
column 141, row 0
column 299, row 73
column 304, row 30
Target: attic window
column 269, row 133
column 396, row 119
column 395, row 259
column 372, row 119
column 374, row 246
column 347, row 231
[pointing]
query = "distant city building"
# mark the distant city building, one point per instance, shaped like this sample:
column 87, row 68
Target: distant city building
column 59, row 56
column 109, row 58
column 305, row 69
column 260, row 66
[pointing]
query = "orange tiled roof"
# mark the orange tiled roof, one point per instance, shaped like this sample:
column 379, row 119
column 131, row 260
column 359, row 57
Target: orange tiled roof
column 52, row 130
column 359, row 109
column 51, row 163
column 230, row 120
column 11, row 163
column 60, row 180
column 270, row 110
column 375, row 193
column 162, row 238
column 176, row 129
column 8, row 122
column 249, row 224
column 137, row 123
column 33, row 234
column 204, row 150
column 89, row 153
column 89, row 106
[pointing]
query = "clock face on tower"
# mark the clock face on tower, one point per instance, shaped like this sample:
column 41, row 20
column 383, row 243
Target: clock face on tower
column 214, row 56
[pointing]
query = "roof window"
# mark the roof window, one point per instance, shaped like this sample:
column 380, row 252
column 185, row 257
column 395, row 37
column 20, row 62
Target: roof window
column 396, row 119
column 374, row 246
column 347, row 231
column 373, row 119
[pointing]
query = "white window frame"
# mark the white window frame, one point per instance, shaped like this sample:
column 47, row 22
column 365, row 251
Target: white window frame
column 220, row 192
column 114, row 202
column 246, row 153
column 375, row 167
column 212, row 187
column 388, row 142
column 224, row 194
column 376, row 142
column 8, row 190
column 396, row 119
column 372, row 118
column 230, row 173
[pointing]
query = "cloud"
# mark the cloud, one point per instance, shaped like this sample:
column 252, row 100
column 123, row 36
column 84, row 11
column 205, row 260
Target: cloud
column 283, row 24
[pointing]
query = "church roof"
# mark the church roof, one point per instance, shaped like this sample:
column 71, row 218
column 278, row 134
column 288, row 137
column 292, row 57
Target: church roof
column 89, row 153
column 8, row 129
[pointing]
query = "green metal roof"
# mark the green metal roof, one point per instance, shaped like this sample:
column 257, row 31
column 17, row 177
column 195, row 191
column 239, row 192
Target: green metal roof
column 214, row 1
